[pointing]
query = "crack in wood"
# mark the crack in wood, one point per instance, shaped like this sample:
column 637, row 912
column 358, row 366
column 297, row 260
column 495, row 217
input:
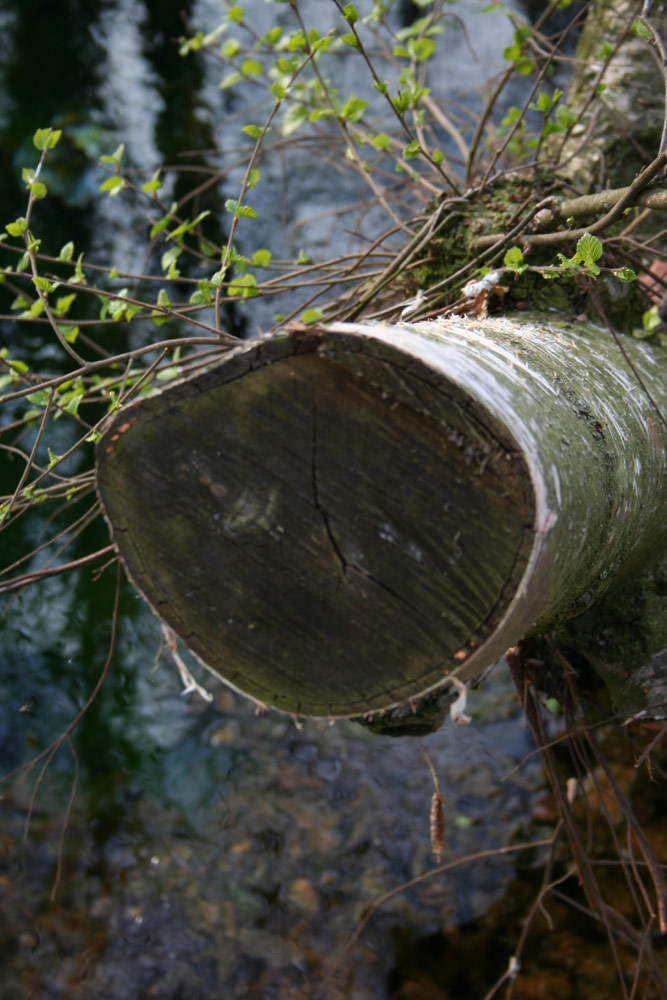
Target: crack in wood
column 316, row 499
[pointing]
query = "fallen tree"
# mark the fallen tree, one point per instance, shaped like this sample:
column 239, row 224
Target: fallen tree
column 340, row 519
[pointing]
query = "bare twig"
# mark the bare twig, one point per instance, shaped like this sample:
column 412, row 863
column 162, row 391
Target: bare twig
column 439, row 870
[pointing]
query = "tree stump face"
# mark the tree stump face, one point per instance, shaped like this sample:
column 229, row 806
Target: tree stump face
column 329, row 533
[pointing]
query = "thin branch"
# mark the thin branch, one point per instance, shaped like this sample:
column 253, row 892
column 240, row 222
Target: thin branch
column 628, row 197
column 65, row 822
column 59, row 740
column 439, row 870
column 41, row 574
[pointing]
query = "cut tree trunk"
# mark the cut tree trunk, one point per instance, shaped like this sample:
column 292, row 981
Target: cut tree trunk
column 337, row 520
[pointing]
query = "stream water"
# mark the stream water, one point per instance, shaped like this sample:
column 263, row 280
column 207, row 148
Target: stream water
column 211, row 852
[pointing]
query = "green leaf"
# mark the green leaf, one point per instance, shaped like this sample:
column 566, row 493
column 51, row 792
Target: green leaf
column 114, row 157
column 253, row 178
column 437, row 156
column 43, row 284
column 164, row 221
column 543, row 103
column 237, row 258
column 188, row 226
column 114, row 185
column 235, row 13
column 40, row 397
column 273, row 35
column 231, row 48
column 422, row 48
column 17, row 227
column 230, row 80
column 70, row 333
column 164, row 301
column 641, row 29
column 202, row 297
column 73, row 403
column 401, row 102
column 253, row 130
column 240, row 211
column 412, row 150
column 513, row 260
column 382, row 141
column 589, row 248
column 353, row 109
column 349, row 13
column 278, row 91
column 36, row 309
column 311, row 315
column 66, row 251
column 252, row 67
column 187, row 45
column 565, row 116
column 350, row 40
column 46, row 138
column 625, row 274
column 650, row 320
column 166, row 374
column 297, row 41
column 294, row 117
column 154, row 184
column 208, row 249
column 287, row 66
column 245, row 286
column 53, row 459
column 261, row 258
column 79, row 276
column 63, row 303
column 525, row 67
column 170, row 257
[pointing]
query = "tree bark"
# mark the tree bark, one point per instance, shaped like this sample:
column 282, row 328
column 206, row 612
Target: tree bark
column 337, row 520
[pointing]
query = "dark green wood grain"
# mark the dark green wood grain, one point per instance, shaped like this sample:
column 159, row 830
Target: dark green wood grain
column 330, row 536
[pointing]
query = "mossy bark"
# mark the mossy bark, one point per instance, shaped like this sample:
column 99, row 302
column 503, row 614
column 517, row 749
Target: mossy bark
column 620, row 131
column 338, row 520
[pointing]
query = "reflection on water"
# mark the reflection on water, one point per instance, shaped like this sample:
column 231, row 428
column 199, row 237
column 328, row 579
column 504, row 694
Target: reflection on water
column 212, row 852
column 209, row 852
